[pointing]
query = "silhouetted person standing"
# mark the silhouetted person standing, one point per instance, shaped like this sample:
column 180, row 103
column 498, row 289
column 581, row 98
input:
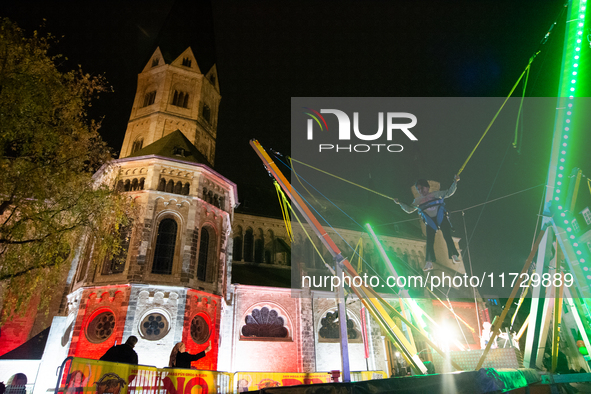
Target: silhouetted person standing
column 122, row 353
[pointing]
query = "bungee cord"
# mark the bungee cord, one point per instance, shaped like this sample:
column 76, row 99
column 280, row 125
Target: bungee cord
column 407, row 265
column 471, row 207
column 282, row 203
column 343, row 179
column 471, row 274
column 487, row 196
column 393, row 290
column 498, row 112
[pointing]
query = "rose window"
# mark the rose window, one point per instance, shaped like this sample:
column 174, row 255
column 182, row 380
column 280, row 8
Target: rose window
column 154, row 326
column 101, row 327
column 199, row 329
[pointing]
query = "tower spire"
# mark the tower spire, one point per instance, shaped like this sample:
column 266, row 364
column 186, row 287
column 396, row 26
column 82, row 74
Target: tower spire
column 174, row 95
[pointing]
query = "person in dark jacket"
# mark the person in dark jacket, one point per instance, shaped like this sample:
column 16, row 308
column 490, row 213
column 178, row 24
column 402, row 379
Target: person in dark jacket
column 179, row 358
column 122, row 353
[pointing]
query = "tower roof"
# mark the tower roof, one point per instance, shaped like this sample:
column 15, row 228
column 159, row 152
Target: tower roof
column 175, row 146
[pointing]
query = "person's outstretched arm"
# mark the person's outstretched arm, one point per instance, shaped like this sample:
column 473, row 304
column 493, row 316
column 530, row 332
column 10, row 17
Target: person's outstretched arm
column 406, row 208
column 202, row 354
column 452, row 189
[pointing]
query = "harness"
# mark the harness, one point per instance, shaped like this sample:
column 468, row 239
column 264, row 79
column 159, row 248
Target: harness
column 441, row 213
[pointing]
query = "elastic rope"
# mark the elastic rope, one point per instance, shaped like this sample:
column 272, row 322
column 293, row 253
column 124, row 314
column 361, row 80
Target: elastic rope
column 498, row 198
column 375, row 272
column 489, row 192
column 473, row 206
column 298, row 178
column 310, row 239
column 343, row 179
column 533, row 241
column 497, row 114
column 446, row 307
column 340, row 236
column 517, row 140
column 471, row 272
column 327, row 199
column 283, row 210
column 457, row 321
column 369, row 265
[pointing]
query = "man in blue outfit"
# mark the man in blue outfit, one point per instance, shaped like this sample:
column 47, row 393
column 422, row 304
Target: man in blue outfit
column 431, row 207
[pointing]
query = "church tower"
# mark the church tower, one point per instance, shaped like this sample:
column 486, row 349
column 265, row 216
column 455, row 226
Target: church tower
column 175, row 96
column 170, row 281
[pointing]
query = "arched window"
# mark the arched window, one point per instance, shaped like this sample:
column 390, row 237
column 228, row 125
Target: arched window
column 180, row 99
column 270, row 247
column 170, row 186
column 162, row 185
column 330, row 329
column 248, row 246
column 237, row 248
column 309, row 255
column 165, row 245
column 178, row 188
column 137, row 145
column 135, row 184
column 141, row 185
column 149, row 98
column 264, row 323
column 206, row 113
column 186, row 189
column 259, row 246
column 203, row 253
column 120, row 186
column 127, row 185
column 116, row 264
column 206, row 259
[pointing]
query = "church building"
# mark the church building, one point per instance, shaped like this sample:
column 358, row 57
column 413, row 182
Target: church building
column 194, row 268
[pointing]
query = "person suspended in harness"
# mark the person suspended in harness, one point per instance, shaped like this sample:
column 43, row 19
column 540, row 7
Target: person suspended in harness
column 431, row 207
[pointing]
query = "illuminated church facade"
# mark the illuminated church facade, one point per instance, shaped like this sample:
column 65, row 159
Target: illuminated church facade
column 174, row 281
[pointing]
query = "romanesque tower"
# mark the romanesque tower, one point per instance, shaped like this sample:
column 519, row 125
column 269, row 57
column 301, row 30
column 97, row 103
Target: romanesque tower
column 175, row 96
column 170, row 281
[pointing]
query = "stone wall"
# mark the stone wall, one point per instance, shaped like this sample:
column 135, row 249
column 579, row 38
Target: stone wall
column 146, row 301
column 328, row 350
column 266, row 353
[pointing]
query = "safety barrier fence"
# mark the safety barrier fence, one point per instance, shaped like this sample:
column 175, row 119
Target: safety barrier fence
column 82, row 376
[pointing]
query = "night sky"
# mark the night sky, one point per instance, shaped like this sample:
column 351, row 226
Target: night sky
column 269, row 51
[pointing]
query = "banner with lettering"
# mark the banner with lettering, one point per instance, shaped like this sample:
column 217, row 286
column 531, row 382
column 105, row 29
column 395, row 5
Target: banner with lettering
column 86, row 376
column 81, row 376
column 251, row 381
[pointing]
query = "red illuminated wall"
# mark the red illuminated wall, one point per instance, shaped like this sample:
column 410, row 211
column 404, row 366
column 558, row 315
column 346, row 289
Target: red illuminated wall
column 16, row 331
column 95, row 301
column 207, row 306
